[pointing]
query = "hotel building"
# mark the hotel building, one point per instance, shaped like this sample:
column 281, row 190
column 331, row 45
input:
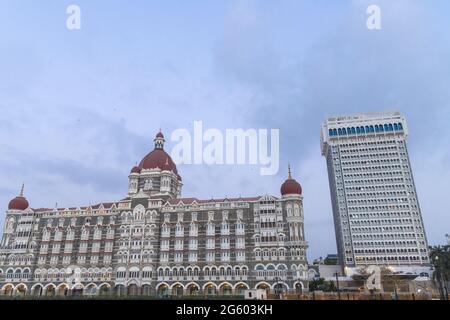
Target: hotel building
column 376, row 210
column 154, row 242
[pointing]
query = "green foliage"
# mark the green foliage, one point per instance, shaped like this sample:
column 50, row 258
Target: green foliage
column 322, row 285
column 331, row 261
column 440, row 258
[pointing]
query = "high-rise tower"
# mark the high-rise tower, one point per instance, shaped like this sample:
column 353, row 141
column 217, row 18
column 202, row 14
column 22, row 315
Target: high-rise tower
column 376, row 211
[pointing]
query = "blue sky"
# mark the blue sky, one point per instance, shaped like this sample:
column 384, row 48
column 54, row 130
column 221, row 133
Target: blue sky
column 79, row 108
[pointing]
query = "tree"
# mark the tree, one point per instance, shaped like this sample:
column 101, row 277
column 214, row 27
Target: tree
column 330, row 261
column 440, row 258
column 322, row 285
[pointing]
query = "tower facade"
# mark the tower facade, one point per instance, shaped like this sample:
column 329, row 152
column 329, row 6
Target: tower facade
column 376, row 211
column 155, row 242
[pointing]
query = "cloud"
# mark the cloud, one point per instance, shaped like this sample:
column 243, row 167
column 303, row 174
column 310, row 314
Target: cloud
column 78, row 110
column 348, row 69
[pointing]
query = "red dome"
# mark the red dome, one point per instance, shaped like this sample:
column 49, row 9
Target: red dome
column 179, row 177
column 18, row 203
column 135, row 169
column 158, row 158
column 160, row 135
column 290, row 186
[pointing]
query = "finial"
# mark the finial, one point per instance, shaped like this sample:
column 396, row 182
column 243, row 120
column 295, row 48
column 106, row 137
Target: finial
column 21, row 190
column 289, row 171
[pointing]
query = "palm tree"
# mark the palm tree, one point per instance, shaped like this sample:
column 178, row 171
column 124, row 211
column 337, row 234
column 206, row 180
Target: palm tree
column 440, row 258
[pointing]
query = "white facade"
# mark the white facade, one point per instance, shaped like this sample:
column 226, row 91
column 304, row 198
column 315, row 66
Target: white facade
column 154, row 242
column 376, row 211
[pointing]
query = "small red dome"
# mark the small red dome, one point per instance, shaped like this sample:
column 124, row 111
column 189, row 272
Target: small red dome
column 179, row 177
column 135, row 169
column 18, row 203
column 290, row 186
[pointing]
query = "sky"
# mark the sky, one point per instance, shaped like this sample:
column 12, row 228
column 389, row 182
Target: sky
column 78, row 108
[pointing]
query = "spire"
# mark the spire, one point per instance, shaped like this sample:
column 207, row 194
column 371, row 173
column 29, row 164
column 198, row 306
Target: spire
column 159, row 140
column 289, row 171
column 21, row 190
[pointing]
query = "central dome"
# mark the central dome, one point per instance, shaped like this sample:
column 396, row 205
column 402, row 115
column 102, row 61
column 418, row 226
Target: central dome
column 158, row 158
